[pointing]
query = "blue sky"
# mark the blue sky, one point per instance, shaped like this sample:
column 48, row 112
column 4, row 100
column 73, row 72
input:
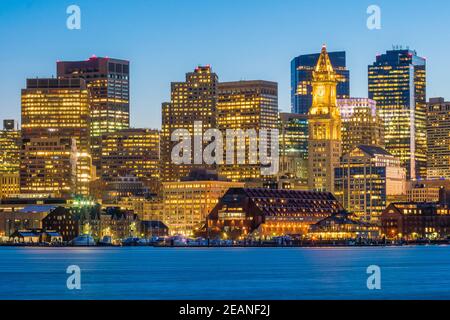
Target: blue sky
column 240, row 39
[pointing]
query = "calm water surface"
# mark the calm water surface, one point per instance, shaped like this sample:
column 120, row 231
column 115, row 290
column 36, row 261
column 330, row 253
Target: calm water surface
column 228, row 273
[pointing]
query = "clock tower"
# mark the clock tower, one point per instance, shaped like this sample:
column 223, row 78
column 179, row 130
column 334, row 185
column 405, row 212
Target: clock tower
column 324, row 148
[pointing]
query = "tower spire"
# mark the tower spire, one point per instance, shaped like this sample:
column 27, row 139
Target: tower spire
column 324, row 64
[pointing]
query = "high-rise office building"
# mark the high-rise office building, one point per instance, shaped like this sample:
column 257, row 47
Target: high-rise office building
column 59, row 108
column 366, row 177
column 361, row 123
column 131, row 152
column 9, row 147
column 192, row 102
column 49, row 166
column 397, row 82
column 294, row 146
column 108, row 82
column 438, row 132
column 324, row 148
column 246, row 106
column 302, row 68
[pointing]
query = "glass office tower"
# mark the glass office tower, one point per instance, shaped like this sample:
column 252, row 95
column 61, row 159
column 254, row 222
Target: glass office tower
column 397, row 82
column 302, row 68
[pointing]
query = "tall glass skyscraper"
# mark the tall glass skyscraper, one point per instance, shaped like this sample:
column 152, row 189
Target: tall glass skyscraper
column 397, row 82
column 302, row 68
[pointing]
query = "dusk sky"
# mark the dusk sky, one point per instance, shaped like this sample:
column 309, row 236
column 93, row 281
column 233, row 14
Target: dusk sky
column 240, row 39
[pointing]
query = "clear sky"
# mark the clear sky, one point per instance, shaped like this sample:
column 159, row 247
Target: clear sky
column 240, row 39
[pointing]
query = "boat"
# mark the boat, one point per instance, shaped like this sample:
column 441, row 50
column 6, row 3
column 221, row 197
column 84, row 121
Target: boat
column 106, row 241
column 84, row 240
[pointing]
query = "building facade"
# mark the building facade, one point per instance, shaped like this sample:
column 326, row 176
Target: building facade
column 294, row 147
column 48, row 166
column 361, row 123
column 412, row 221
column 247, row 106
column 131, row 152
column 9, row 147
column 438, row 134
column 266, row 213
column 59, row 109
column 302, row 68
column 324, row 148
column 108, row 82
column 366, row 178
column 397, row 82
column 193, row 107
column 188, row 203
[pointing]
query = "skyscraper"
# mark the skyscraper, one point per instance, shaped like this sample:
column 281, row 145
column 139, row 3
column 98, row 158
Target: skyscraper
column 131, row 152
column 438, row 130
column 361, row 123
column 58, row 108
column 246, row 105
column 108, row 82
column 302, row 68
column 397, row 82
column 366, row 177
column 324, row 149
column 294, row 147
column 192, row 102
column 9, row 159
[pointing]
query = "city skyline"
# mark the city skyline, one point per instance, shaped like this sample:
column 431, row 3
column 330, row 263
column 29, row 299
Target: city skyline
column 154, row 65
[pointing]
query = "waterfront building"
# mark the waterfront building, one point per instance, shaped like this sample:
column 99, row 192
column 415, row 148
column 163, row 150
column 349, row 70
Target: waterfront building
column 149, row 208
column 27, row 218
column 192, row 102
column 342, row 226
column 397, row 82
column 153, row 228
column 411, row 221
column 361, row 123
column 48, row 165
column 438, row 134
column 294, row 148
column 302, row 68
column 108, row 82
column 246, row 105
column 131, row 152
column 324, row 149
column 268, row 213
column 58, row 109
column 187, row 203
column 366, row 177
column 62, row 221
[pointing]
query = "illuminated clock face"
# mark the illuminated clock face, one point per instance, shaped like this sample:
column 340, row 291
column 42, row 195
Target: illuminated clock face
column 320, row 91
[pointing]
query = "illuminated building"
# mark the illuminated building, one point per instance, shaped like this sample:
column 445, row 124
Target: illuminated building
column 294, row 147
column 397, row 82
column 187, row 203
column 267, row 213
column 108, row 82
column 9, row 148
column 118, row 188
column 27, row 218
column 302, row 68
column 438, row 133
column 412, row 221
column 58, row 108
column 131, row 152
column 422, row 193
column 9, row 184
column 324, row 149
column 147, row 208
column 342, row 226
column 62, row 221
column 246, row 105
column 361, row 123
column 367, row 176
column 48, row 165
column 194, row 100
